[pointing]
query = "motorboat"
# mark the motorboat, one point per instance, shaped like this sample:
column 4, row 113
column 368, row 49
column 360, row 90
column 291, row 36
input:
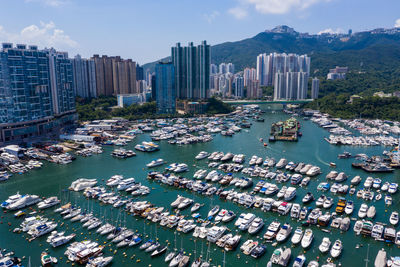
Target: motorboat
column 24, row 201
column 295, row 211
column 213, row 211
column 377, row 231
column 357, row 227
column 272, row 230
column 299, row 261
column 99, row 261
column 327, row 203
column 356, row 180
column 195, row 207
column 284, row 232
column 290, row 193
column 320, row 201
column 256, row 226
column 325, row 245
column 246, row 221
column 82, row 183
column 248, row 246
column 371, row 212
column 332, row 175
column 229, row 216
column 297, row 236
column 126, row 183
column 336, row 249
column 307, row 238
column 341, row 177
column 48, row 202
column 202, row 155
column 362, row 212
column 349, row 207
column 394, row 218
column 258, row 251
column 155, row 163
column 308, row 198
column 232, row 243
column 160, row 250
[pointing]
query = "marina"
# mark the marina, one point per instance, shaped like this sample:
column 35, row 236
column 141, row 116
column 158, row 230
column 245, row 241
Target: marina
column 243, row 174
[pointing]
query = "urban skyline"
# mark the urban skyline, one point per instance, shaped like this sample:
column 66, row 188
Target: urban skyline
column 58, row 23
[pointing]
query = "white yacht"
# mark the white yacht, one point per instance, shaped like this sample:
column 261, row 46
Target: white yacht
column 362, row 213
column 42, row 229
column 299, row 261
column 394, row 218
column 61, row 240
column 336, row 249
column 349, row 207
column 247, row 220
column 297, row 236
column 202, row 155
column 126, row 183
column 284, row 232
column 256, row 225
column 281, row 163
column 272, row 230
column 155, row 163
column 215, row 233
column 23, row 202
column 307, row 238
column 290, row 193
column 82, row 183
column 114, row 180
column 99, row 261
column 48, row 202
column 11, row 199
column 295, row 211
column 325, row 245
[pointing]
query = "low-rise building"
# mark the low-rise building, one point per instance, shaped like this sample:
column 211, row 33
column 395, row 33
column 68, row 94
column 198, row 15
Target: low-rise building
column 191, row 107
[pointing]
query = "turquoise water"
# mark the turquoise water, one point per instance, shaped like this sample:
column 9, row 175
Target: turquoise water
column 311, row 148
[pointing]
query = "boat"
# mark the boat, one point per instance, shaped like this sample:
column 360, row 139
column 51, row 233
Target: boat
column 284, row 232
column 308, row 198
column 356, row 180
column 170, row 256
column 371, row 212
column 155, row 163
column 82, row 183
column 248, row 246
column 299, row 261
column 256, row 226
column 24, row 201
column 61, row 240
column 381, row 259
column 232, row 243
column 325, row 245
column 48, row 202
column 349, row 207
column 394, row 218
column 258, row 251
column 195, row 207
column 362, row 212
column 272, row 230
column 45, row 259
column 336, row 249
column 213, row 211
column 307, row 238
column 297, row 236
column 202, row 155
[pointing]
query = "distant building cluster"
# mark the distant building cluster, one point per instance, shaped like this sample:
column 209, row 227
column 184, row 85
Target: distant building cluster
column 288, row 73
column 337, row 73
column 186, row 77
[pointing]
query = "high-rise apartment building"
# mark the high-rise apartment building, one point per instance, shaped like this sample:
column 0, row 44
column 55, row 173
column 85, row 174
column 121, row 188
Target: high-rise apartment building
column 269, row 65
column 238, row 87
column 253, row 90
column 230, row 67
column 315, row 88
column 290, row 85
column 36, row 92
column 84, row 73
column 249, row 74
column 124, row 76
column 213, row 69
column 192, row 70
column 139, row 73
column 104, row 75
column 165, row 88
column 61, row 81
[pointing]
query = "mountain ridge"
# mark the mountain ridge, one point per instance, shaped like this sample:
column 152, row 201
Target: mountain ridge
column 374, row 49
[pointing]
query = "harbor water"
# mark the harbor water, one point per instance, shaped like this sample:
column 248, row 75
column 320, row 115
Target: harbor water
column 311, row 148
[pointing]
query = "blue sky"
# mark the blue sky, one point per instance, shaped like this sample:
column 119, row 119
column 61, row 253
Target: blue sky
column 144, row 30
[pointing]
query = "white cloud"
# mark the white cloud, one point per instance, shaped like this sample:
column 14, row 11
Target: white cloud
column 397, row 23
column 43, row 35
column 238, row 12
column 211, row 17
column 272, row 6
column 331, row 31
column 52, row 3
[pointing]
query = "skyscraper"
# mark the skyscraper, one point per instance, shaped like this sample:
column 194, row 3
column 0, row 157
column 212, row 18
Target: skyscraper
column 192, row 70
column 165, row 88
column 61, row 82
column 230, row 67
column 239, row 87
column 269, row 65
column 84, row 73
column 315, row 88
column 36, row 92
